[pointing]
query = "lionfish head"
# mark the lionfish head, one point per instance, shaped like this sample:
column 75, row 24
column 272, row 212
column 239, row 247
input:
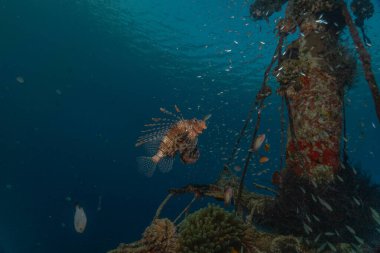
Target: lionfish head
column 199, row 125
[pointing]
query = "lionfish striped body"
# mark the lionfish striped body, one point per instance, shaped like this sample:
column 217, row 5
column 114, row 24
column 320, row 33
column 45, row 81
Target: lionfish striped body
column 166, row 138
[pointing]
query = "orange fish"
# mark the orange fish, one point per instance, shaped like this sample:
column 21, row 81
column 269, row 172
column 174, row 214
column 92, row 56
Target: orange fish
column 263, row 159
column 164, row 140
column 258, row 142
column 277, row 178
column 267, row 147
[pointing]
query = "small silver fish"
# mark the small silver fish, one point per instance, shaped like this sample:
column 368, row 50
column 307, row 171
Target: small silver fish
column 351, row 230
column 316, row 218
column 359, row 240
column 332, row 247
column 356, row 201
column 322, row 248
column 321, row 21
column 307, row 229
column 325, row 204
column 317, row 238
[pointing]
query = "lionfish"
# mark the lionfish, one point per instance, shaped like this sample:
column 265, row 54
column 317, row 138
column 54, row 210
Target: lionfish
column 167, row 137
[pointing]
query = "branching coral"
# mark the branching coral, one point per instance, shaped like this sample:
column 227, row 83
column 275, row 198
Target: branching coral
column 214, row 230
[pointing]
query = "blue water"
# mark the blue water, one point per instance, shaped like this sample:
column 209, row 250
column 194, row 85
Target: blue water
column 95, row 71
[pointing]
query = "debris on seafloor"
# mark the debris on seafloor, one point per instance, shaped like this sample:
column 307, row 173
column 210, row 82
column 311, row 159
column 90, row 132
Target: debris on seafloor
column 320, row 202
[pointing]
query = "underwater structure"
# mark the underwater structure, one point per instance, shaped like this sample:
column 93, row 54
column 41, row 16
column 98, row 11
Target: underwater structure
column 319, row 202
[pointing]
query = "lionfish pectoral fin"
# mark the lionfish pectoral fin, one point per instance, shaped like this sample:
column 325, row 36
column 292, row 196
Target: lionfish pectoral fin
column 152, row 146
column 146, row 165
column 207, row 117
column 166, row 164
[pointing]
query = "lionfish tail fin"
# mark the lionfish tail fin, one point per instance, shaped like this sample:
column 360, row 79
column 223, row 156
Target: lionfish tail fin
column 146, row 165
column 165, row 164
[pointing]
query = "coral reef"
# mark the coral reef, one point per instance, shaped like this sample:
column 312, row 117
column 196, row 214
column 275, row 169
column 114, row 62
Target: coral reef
column 214, row 230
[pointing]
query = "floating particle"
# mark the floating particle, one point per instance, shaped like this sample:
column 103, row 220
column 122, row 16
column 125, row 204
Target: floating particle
column 58, row 91
column 80, row 219
column 20, row 79
column 99, row 208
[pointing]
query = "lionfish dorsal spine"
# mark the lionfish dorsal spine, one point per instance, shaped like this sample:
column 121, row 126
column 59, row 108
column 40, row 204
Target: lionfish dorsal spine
column 178, row 111
column 163, row 110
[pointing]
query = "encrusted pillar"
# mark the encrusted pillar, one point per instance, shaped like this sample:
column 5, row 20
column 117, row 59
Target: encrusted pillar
column 312, row 74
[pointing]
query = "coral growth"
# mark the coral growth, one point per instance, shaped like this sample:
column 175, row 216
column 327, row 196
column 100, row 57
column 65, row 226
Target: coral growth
column 214, row 230
column 160, row 237
column 285, row 244
column 262, row 9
